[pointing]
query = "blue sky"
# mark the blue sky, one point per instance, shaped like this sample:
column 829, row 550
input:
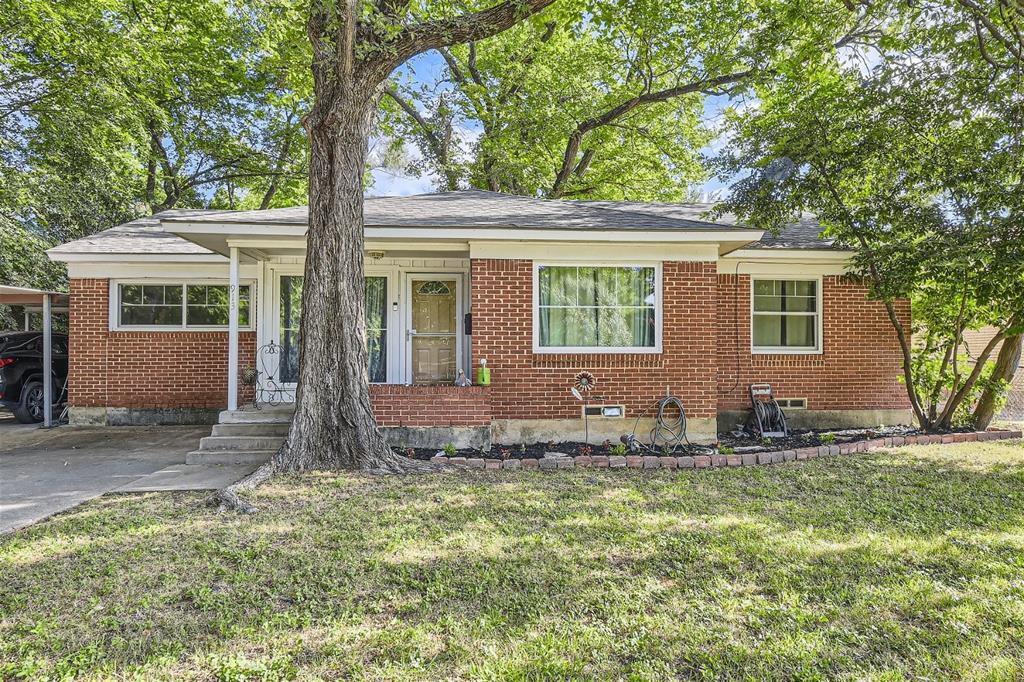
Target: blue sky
column 427, row 68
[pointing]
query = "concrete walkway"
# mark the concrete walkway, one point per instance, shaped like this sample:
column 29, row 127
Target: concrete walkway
column 43, row 472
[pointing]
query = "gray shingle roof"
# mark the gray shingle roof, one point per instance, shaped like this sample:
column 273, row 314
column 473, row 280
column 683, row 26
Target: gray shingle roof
column 473, row 208
column 142, row 235
column 460, row 209
column 804, row 234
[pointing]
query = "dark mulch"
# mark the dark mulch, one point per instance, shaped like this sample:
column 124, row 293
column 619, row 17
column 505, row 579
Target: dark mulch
column 736, row 440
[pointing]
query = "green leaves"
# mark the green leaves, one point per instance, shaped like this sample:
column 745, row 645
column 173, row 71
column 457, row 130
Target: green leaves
column 142, row 106
column 907, row 147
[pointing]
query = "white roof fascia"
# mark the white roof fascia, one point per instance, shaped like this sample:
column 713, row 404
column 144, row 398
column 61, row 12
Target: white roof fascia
column 99, row 256
column 478, row 233
column 790, row 255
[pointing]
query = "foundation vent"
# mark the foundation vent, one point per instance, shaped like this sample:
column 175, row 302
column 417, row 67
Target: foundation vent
column 605, row 411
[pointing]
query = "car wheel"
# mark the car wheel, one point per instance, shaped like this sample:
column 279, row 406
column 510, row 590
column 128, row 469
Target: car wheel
column 30, row 409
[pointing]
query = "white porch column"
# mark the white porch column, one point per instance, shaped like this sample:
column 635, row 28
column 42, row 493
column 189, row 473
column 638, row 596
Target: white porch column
column 233, row 331
column 47, row 362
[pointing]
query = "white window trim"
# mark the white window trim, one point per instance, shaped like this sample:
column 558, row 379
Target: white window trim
column 115, row 305
column 634, row 350
column 818, row 349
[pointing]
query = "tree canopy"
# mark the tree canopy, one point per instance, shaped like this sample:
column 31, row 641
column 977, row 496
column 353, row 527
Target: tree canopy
column 908, row 149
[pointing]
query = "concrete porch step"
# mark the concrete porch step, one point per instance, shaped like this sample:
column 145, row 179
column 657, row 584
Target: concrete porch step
column 267, row 415
column 241, row 442
column 279, row 429
column 229, row 457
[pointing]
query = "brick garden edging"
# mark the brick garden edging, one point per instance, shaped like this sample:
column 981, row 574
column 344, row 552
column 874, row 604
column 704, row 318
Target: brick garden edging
column 711, row 461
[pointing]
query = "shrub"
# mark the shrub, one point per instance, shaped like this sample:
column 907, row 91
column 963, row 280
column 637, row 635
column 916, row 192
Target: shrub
column 450, row 450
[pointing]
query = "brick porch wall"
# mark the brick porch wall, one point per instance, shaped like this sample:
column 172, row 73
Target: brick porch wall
column 525, row 385
column 395, row 405
column 858, row 370
column 145, row 369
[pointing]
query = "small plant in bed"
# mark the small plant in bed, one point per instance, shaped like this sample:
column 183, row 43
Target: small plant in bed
column 827, row 438
column 450, row 450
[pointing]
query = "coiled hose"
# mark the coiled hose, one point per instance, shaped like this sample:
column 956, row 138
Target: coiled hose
column 668, row 428
column 770, row 416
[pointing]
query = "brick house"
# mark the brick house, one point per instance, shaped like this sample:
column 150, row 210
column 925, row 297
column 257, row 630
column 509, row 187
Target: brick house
column 646, row 297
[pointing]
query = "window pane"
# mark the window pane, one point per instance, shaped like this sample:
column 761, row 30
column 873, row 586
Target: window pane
column 376, row 328
column 557, row 286
column 767, row 303
column 768, row 330
column 800, row 331
column 581, row 326
column 802, row 288
column 606, row 280
column 291, row 314
column 587, row 278
column 209, row 305
column 199, row 316
column 218, row 295
column 568, row 327
column 151, row 315
column 626, row 327
column 131, row 293
column 801, row 304
column 152, row 294
column 196, row 295
column 635, row 286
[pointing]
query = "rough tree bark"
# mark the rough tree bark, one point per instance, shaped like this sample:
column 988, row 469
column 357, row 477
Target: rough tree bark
column 1007, row 364
column 334, row 426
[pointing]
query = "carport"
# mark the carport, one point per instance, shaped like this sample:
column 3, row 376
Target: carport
column 45, row 302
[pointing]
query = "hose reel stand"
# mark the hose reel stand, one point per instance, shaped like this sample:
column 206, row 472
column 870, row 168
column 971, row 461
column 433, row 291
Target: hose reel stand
column 769, row 419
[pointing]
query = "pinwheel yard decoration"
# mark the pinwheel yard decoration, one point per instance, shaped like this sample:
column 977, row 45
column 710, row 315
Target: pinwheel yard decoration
column 585, row 382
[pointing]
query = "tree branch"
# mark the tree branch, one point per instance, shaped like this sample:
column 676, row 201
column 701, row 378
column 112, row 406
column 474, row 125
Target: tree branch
column 431, row 35
column 572, row 146
column 436, row 144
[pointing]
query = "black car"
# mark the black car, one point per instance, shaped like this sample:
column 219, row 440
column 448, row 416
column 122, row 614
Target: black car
column 21, row 373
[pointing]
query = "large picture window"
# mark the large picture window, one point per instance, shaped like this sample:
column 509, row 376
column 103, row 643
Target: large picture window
column 786, row 316
column 180, row 306
column 597, row 308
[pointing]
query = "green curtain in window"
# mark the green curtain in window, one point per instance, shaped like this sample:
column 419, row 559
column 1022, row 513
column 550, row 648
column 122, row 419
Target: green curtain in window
column 600, row 307
column 376, row 328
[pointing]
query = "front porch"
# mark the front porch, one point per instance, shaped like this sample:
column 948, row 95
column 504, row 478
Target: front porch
column 417, row 316
column 409, row 416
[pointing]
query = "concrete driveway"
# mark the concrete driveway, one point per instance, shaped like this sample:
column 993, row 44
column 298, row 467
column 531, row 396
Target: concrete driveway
column 43, row 472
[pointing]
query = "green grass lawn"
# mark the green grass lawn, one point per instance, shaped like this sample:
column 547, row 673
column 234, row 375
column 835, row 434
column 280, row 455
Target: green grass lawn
column 891, row 566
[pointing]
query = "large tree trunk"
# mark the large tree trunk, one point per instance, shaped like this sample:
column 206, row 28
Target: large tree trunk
column 334, row 426
column 1007, row 363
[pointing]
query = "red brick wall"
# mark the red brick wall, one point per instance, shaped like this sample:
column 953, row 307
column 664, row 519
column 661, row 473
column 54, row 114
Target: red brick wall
column 525, row 385
column 144, row 369
column 858, row 369
column 431, row 405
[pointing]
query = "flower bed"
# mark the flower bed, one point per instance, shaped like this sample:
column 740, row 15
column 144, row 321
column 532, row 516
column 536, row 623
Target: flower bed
column 553, row 459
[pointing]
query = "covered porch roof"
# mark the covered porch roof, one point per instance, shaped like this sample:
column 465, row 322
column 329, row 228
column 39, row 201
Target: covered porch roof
column 447, row 224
